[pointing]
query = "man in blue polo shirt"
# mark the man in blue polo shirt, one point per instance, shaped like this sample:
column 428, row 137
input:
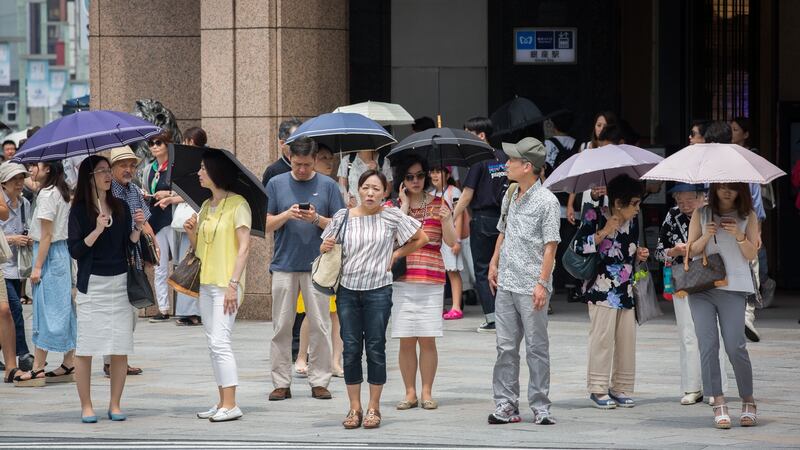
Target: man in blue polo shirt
column 300, row 207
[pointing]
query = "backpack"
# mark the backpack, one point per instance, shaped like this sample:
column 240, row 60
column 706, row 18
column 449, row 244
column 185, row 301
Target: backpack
column 563, row 153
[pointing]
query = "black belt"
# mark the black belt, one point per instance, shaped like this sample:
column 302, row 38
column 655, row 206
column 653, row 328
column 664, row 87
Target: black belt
column 486, row 212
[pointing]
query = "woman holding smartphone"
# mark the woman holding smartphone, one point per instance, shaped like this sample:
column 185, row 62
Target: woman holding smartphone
column 727, row 226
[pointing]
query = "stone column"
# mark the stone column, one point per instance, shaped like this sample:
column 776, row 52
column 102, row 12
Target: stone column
column 146, row 49
column 263, row 61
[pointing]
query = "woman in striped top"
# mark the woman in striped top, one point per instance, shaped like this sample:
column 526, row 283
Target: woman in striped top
column 419, row 294
column 364, row 298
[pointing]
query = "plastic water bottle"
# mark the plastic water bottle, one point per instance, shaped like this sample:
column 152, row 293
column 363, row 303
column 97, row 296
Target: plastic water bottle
column 668, row 290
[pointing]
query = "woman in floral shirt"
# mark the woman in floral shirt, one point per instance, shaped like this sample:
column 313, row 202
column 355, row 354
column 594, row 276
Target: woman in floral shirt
column 614, row 234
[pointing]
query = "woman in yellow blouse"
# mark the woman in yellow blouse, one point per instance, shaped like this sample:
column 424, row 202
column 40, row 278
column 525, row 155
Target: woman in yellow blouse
column 221, row 237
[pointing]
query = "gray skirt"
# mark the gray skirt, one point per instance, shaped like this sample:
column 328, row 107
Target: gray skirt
column 105, row 317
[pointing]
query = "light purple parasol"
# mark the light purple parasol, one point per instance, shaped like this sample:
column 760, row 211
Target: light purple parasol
column 596, row 167
column 715, row 163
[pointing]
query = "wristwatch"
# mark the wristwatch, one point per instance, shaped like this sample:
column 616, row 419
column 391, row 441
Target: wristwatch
column 546, row 284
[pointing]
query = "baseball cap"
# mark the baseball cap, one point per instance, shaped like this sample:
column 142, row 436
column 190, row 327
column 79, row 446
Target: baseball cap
column 529, row 149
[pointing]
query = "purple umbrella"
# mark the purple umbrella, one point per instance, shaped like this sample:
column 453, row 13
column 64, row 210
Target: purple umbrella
column 84, row 133
column 596, row 167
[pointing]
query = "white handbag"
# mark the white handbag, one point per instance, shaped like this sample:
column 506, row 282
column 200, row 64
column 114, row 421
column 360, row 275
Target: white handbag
column 326, row 270
column 180, row 215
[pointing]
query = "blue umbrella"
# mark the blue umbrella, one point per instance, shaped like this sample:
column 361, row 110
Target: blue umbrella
column 344, row 132
column 84, row 133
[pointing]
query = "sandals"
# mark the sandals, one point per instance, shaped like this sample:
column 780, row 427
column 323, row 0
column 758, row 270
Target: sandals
column 11, row 375
column 66, row 377
column 25, row 300
column 372, row 419
column 353, row 419
column 405, row 404
column 34, row 381
column 748, row 419
column 453, row 314
column 722, row 421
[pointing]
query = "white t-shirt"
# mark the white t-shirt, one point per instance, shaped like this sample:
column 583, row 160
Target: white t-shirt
column 50, row 206
column 353, row 172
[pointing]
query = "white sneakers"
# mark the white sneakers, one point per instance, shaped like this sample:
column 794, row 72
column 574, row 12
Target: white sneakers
column 220, row 414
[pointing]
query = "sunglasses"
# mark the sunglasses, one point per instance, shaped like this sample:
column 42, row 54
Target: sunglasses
column 155, row 143
column 416, row 176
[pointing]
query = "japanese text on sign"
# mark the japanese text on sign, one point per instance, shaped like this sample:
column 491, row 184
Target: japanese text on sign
column 545, row 45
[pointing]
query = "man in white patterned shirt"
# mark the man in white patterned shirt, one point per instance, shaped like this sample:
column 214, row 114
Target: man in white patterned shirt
column 521, row 274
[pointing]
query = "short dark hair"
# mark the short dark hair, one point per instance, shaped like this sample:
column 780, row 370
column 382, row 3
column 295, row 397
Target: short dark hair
column 563, row 121
column 304, row 146
column 611, row 133
column 196, row 135
column 718, row 132
column 285, row 128
column 9, row 141
column 743, row 202
column 625, row 189
column 402, row 170
column 479, row 125
column 321, row 147
column 165, row 136
column 376, row 173
column 701, row 124
column 423, row 123
column 220, row 169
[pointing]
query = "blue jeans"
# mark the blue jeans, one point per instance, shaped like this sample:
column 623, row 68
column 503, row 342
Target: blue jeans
column 363, row 318
column 14, row 287
column 483, row 236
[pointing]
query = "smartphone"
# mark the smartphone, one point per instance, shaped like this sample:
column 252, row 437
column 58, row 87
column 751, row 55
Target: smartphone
column 304, row 206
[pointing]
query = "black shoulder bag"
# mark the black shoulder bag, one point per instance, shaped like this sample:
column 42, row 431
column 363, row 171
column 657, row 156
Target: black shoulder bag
column 140, row 293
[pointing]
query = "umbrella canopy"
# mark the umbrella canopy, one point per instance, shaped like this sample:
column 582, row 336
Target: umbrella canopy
column 185, row 162
column 380, row 112
column 344, row 132
column 515, row 115
column 445, row 146
column 715, row 163
column 598, row 166
column 83, row 133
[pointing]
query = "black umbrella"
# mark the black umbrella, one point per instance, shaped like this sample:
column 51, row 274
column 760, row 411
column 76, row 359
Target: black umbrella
column 184, row 164
column 445, row 146
column 514, row 115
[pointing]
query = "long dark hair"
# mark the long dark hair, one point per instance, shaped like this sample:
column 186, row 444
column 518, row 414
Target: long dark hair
column 55, row 177
column 743, row 203
column 611, row 119
column 85, row 190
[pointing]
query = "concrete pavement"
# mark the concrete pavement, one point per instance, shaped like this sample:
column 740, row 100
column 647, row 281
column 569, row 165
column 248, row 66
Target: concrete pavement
column 177, row 382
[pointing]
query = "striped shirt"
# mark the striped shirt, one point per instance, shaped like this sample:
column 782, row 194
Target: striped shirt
column 368, row 245
column 426, row 264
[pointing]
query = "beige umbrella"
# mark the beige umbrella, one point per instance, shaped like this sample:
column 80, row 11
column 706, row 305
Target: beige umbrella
column 383, row 113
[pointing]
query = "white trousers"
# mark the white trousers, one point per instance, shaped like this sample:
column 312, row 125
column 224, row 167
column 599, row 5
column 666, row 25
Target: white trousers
column 166, row 245
column 691, row 377
column 218, row 327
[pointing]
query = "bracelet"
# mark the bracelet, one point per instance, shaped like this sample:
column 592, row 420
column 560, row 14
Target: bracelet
column 233, row 283
column 742, row 241
column 316, row 220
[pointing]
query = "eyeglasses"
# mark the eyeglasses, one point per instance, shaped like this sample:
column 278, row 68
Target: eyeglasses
column 102, row 172
column 416, row 176
column 155, row 143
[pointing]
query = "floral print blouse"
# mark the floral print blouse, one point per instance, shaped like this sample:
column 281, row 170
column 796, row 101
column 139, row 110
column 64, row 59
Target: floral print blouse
column 613, row 286
column 674, row 230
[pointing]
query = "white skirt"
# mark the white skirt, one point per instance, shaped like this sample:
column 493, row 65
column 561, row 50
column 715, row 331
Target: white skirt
column 452, row 262
column 105, row 317
column 417, row 309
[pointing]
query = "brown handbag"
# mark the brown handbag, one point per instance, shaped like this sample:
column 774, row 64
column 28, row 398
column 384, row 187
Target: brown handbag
column 698, row 275
column 186, row 277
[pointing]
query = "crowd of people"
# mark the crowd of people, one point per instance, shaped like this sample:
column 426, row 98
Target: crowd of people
column 407, row 230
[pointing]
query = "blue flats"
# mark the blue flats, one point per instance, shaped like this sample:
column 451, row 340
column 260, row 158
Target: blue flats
column 602, row 404
column 89, row 419
column 116, row 417
column 622, row 401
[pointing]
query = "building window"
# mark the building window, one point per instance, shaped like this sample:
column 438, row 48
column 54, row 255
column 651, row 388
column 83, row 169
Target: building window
column 34, row 28
column 728, row 58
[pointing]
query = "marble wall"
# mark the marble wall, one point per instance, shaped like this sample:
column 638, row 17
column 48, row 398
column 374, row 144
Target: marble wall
column 235, row 67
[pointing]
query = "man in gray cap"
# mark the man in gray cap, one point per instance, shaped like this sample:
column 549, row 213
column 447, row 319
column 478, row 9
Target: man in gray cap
column 521, row 274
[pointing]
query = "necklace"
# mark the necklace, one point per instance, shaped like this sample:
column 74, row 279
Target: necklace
column 220, row 207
